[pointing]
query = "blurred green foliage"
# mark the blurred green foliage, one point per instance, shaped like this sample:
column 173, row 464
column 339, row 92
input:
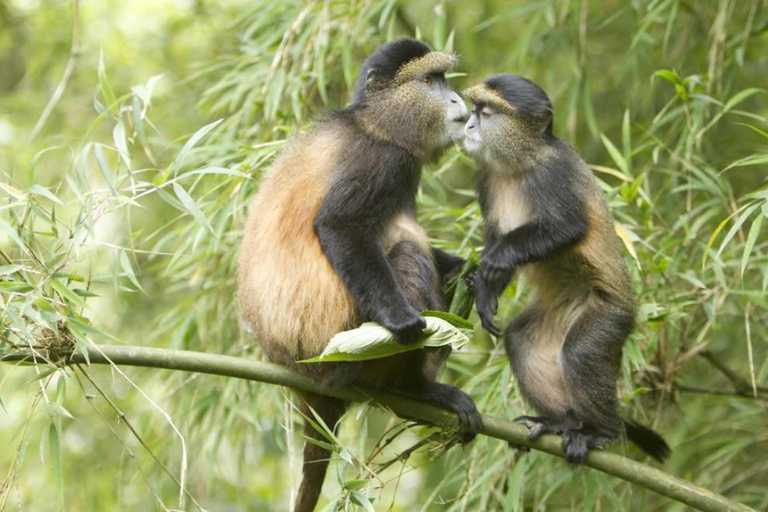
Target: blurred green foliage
column 121, row 210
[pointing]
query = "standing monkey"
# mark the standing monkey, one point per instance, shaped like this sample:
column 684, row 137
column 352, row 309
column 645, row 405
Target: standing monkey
column 332, row 241
column 545, row 214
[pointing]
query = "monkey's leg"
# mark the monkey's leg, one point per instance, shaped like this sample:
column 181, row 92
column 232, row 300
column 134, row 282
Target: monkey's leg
column 416, row 372
column 417, row 276
column 532, row 347
column 316, row 458
column 591, row 360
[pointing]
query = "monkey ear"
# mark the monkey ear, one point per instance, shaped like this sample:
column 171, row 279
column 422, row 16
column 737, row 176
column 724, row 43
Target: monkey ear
column 373, row 81
column 546, row 120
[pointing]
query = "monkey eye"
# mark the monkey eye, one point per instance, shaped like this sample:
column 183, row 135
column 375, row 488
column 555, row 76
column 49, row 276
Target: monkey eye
column 427, row 80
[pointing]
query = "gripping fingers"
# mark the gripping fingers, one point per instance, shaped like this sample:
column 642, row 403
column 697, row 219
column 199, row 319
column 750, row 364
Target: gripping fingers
column 491, row 272
column 468, row 415
column 486, row 304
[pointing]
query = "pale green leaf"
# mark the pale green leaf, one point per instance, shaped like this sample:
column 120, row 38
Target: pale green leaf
column 372, row 341
column 754, row 231
column 191, row 206
column 121, row 143
column 615, row 155
column 362, row 500
column 104, row 168
column 193, row 140
column 44, row 192
column 55, row 454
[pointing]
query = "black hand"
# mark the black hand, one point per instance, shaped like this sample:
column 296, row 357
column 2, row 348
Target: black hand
column 495, row 273
column 486, row 303
column 406, row 324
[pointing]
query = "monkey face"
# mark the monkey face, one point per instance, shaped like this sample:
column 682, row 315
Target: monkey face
column 488, row 131
column 422, row 114
column 479, row 117
column 450, row 103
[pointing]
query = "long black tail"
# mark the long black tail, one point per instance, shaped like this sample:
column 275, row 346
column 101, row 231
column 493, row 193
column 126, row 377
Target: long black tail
column 316, row 457
column 647, row 440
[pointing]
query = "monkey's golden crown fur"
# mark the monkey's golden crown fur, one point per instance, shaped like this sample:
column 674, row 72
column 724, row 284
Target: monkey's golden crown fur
column 481, row 93
column 433, row 62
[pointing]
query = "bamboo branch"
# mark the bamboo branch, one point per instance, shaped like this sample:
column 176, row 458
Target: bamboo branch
column 229, row 366
column 74, row 51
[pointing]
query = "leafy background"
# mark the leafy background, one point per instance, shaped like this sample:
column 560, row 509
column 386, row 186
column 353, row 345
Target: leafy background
column 132, row 135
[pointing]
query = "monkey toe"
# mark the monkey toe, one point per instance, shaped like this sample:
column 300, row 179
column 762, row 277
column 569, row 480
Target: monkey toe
column 469, row 417
column 578, row 443
column 575, row 446
column 538, row 426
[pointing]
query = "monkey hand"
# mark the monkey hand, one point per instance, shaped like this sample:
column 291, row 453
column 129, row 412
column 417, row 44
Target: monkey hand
column 486, row 303
column 496, row 274
column 406, row 324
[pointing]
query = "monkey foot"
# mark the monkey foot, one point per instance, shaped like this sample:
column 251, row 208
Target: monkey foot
column 540, row 425
column 577, row 443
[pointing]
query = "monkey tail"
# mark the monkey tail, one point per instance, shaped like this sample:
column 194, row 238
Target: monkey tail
column 316, row 456
column 647, row 440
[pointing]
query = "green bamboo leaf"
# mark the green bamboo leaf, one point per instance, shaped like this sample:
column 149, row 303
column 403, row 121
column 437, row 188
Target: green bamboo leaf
column 59, row 410
column 736, row 226
column 104, row 168
column 44, row 192
column 125, row 263
column 67, row 293
column 13, row 235
column 741, row 96
column 716, row 233
column 83, row 329
column 15, row 286
column 754, row 230
column 361, row 500
column 106, row 90
column 121, row 143
column 191, row 206
column 9, row 269
column 626, row 140
column 615, row 155
column 758, row 159
column 453, row 319
column 372, row 341
column 54, row 449
column 669, row 76
column 193, row 140
column 218, row 170
column 354, row 485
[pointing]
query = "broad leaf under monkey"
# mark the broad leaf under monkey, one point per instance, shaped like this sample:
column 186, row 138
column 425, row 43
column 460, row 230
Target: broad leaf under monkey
column 546, row 216
column 332, row 240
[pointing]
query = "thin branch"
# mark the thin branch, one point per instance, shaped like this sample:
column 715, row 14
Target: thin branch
column 719, row 392
column 740, row 384
column 229, row 366
column 74, row 51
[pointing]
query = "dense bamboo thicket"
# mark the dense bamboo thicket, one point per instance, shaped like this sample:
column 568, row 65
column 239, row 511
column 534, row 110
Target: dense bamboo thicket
column 133, row 134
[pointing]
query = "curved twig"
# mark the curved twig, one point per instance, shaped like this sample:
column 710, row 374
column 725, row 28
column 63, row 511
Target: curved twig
column 229, row 366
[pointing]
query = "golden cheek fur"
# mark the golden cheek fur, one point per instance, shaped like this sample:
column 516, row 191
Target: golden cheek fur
column 408, row 116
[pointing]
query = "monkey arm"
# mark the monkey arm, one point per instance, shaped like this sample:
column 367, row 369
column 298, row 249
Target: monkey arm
column 535, row 241
column 367, row 275
column 349, row 222
column 532, row 241
column 558, row 220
